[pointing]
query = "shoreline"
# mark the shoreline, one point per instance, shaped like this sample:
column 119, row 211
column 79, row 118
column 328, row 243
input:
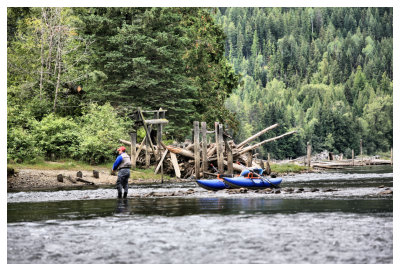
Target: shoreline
column 26, row 179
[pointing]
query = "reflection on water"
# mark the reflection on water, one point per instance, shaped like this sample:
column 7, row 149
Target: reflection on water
column 122, row 206
column 353, row 225
column 85, row 209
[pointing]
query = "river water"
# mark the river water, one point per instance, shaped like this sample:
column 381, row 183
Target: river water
column 346, row 221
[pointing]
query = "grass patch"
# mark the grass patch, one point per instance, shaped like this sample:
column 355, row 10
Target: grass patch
column 60, row 165
column 287, row 168
column 147, row 174
column 384, row 155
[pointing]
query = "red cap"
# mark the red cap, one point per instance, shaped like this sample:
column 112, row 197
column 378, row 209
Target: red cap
column 122, row 148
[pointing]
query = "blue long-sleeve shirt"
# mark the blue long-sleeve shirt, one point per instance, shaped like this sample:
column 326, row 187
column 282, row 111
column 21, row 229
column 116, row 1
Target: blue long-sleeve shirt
column 117, row 162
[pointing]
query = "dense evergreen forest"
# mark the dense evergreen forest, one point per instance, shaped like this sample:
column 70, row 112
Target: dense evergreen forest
column 328, row 72
column 74, row 76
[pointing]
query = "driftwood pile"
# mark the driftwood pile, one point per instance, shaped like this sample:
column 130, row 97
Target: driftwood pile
column 327, row 160
column 210, row 158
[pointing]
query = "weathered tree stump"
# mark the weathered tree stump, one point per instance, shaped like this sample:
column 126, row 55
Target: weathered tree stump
column 267, row 168
column 60, row 178
column 10, row 171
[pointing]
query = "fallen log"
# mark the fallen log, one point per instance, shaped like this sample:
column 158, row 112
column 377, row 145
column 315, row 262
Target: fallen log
column 126, row 142
column 175, row 164
column 69, row 178
column 236, row 167
column 211, row 151
column 180, row 151
column 327, row 166
column 249, row 148
column 241, row 145
column 161, row 161
column 156, row 121
column 84, row 181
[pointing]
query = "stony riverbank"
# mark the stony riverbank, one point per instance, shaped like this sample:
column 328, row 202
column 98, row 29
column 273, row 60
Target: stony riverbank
column 34, row 179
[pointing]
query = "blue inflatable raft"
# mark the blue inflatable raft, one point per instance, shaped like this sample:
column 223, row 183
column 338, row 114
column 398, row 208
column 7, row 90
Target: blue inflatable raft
column 253, row 183
column 248, row 178
column 213, row 184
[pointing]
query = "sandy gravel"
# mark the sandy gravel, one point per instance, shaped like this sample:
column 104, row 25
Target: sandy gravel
column 31, row 179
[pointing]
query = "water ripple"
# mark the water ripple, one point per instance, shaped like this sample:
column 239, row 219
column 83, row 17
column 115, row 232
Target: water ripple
column 275, row 238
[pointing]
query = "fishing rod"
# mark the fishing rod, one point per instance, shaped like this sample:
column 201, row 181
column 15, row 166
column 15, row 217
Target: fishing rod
column 258, row 175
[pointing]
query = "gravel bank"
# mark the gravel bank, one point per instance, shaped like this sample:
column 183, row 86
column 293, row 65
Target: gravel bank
column 32, row 179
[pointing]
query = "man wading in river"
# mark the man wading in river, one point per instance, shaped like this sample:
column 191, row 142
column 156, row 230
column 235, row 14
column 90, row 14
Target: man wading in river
column 123, row 165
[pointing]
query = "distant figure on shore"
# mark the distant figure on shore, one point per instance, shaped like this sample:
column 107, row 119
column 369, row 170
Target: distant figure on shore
column 123, row 165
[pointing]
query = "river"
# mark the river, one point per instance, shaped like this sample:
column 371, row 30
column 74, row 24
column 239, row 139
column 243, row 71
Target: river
column 345, row 220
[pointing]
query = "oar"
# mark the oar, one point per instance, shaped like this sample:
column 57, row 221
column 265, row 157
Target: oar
column 262, row 178
column 219, row 174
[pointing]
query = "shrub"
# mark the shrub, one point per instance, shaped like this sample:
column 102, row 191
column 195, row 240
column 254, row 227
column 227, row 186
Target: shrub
column 21, row 145
column 57, row 135
column 101, row 128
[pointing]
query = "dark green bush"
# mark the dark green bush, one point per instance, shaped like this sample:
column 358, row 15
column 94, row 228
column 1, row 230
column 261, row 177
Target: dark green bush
column 21, row 145
column 57, row 136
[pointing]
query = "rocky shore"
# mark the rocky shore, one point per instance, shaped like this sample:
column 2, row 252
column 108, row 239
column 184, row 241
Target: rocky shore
column 35, row 179
column 40, row 179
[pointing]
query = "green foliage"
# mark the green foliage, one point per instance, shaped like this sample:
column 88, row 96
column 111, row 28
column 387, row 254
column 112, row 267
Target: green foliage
column 57, row 136
column 101, row 128
column 92, row 138
column 287, row 168
column 21, row 146
column 379, row 116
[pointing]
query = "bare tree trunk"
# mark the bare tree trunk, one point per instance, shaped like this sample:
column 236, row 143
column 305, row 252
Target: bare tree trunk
column 58, row 76
column 41, row 56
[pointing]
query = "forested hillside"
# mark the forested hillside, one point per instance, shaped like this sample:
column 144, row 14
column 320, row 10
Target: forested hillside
column 327, row 72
